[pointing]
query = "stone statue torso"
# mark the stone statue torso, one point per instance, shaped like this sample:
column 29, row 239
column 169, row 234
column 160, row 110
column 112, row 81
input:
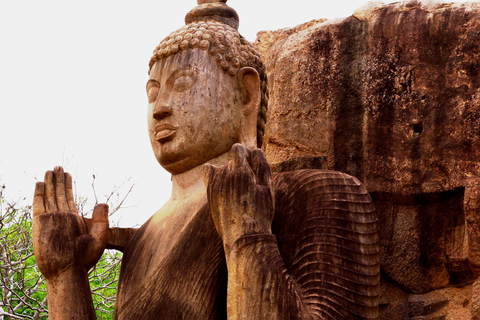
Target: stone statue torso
column 174, row 265
column 325, row 229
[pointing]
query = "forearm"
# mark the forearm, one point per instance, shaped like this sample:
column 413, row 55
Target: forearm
column 69, row 295
column 259, row 286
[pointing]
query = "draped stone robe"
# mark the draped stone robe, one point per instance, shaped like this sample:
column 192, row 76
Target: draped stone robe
column 321, row 263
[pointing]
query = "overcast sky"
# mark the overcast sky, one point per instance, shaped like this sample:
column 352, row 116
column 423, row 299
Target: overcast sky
column 73, row 77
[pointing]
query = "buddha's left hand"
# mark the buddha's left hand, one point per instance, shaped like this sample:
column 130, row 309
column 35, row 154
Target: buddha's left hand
column 240, row 195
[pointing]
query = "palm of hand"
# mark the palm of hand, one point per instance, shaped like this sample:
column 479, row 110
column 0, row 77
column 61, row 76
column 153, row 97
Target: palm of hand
column 60, row 237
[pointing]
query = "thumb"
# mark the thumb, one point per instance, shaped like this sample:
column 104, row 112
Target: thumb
column 208, row 171
column 92, row 244
column 99, row 229
column 100, row 213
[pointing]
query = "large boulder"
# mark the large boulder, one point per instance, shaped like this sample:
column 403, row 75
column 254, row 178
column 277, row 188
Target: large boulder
column 391, row 95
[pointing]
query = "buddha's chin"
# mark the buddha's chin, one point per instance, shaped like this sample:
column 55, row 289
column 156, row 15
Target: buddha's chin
column 178, row 157
column 178, row 165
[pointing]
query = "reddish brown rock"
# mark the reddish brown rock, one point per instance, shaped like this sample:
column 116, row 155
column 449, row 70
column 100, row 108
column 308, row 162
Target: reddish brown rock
column 391, row 95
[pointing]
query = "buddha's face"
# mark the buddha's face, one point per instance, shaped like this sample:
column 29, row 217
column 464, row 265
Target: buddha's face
column 193, row 115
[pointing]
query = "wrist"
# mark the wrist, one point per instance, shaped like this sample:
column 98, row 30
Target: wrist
column 245, row 228
column 232, row 249
column 69, row 295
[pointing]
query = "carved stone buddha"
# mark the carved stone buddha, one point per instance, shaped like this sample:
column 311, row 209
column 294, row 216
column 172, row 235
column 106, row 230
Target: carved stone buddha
column 233, row 241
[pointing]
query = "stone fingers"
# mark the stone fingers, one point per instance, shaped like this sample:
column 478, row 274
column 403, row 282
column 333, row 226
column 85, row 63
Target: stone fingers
column 38, row 199
column 50, row 201
column 55, row 194
column 60, row 192
column 69, row 193
column 261, row 168
column 240, row 156
column 208, row 171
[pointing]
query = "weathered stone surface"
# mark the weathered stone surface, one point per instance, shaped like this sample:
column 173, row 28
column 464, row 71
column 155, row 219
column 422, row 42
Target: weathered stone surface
column 391, row 96
column 448, row 303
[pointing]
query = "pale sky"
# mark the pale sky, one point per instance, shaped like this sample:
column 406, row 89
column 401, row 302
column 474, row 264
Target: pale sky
column 73, row 77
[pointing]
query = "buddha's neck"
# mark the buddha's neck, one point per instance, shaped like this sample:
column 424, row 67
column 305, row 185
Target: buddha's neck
column 190, row 183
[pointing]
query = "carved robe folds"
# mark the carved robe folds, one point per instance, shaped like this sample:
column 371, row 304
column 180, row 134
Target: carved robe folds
column 323, row 261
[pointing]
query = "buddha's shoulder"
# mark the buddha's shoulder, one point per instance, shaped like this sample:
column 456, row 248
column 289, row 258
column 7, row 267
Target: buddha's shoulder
column 308, row 182
column 307, row 195
column 323, row 207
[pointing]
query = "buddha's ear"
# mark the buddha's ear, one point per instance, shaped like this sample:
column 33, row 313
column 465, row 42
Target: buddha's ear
column 248, row 81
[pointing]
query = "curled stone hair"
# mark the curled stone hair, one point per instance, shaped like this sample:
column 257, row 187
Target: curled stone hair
column 213, row 26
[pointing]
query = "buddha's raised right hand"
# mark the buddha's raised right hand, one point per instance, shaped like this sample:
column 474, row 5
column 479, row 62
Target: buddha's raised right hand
column 60, row 237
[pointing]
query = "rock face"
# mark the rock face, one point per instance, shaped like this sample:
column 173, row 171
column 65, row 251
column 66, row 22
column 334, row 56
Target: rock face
column 391, row 95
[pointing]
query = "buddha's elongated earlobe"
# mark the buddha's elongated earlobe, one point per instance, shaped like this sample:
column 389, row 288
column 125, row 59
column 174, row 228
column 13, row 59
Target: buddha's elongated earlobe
column 248, row 81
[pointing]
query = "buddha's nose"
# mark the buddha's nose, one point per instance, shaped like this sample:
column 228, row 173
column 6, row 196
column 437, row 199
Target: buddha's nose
column 162, row 110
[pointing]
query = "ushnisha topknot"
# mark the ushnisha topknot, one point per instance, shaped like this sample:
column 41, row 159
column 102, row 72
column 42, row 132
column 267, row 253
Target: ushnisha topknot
column 213, row 26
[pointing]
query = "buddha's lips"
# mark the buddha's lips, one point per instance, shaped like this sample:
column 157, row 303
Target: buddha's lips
column 164, row 132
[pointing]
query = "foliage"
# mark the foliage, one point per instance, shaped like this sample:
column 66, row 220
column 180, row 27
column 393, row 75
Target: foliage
column 103, row 283
column 22, row 287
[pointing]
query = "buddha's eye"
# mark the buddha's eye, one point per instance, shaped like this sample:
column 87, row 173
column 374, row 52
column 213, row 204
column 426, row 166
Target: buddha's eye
column 184, row 82
column 153, row 87
column 152, row 94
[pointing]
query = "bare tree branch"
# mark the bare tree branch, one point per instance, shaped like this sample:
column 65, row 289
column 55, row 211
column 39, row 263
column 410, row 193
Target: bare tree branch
column 22, row 287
